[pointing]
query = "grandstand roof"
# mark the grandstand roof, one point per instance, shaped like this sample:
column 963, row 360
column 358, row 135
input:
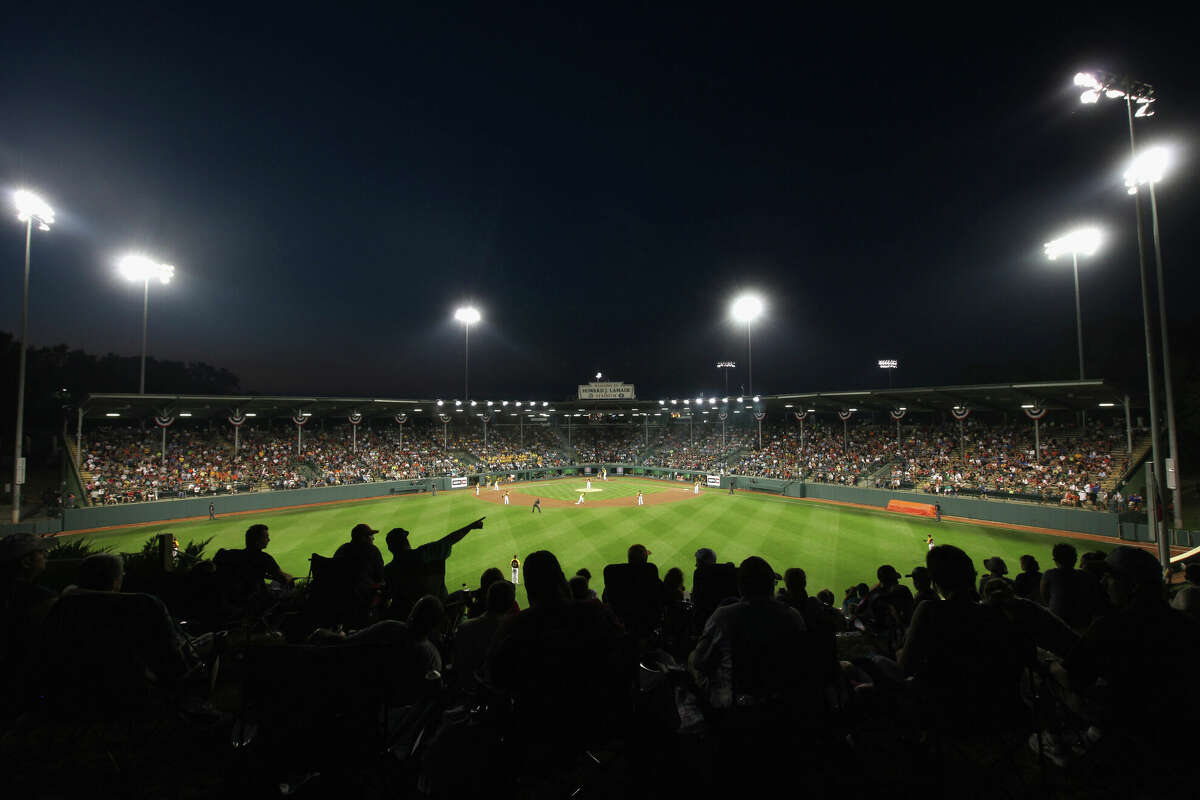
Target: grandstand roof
column 1052, row 395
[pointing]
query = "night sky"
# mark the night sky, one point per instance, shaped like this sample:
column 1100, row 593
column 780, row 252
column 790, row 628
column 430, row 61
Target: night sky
column 330, row 187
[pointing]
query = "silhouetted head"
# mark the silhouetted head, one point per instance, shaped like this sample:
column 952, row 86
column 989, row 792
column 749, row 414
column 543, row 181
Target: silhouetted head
column 545, row 583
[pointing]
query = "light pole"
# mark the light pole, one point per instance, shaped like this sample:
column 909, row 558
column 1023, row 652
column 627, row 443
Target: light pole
column 889, row 365
column 1081, row 241
column 747, row 308
column 468, row 316
column 1149, row 168
column 30, row 209
column 725, row 366
column 137, row 267
column 1099, row 85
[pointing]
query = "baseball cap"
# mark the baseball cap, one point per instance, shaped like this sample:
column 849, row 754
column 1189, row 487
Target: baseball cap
column 996, row 564
column 919, row 572
column 1135, row 564
column 16, row 546
column 362, row 528
column 887, row 571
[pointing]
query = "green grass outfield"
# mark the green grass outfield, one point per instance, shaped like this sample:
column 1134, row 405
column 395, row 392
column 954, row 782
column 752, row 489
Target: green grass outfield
column 837, row 546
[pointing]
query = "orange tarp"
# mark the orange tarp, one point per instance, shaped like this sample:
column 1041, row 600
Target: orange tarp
column 905, row 507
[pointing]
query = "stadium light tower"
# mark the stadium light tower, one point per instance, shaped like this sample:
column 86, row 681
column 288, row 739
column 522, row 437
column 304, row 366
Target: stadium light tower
column 725, row 366
column 1097, row 85
column 136, row 267
column 1149, row 168
column 889, row 365
column 747, row 308
column 1081, row 241
column 30, row 209
column 468, row 316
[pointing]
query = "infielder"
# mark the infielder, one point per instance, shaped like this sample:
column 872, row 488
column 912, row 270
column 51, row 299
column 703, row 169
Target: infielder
column 579, row 502
column 506, row 497
column 537, row 506
column 516, row 570
column 641, row 500
column 603, row 474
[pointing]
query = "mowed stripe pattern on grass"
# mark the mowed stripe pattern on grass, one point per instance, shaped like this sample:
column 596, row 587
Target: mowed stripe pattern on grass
column 837, row 547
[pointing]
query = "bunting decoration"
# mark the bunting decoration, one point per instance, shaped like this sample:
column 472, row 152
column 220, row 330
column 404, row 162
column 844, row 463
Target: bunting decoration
column 300, row 419
column 1035, row 413
column 164, row 421
column 845, row 415
column 760, row 415
column 960, row 412
column 898, row 413
column 400, row 418
column 486, row 417
column 355, row 418
column 445, row 418
column 237, row 420
column 800, row 415
column 723, row 414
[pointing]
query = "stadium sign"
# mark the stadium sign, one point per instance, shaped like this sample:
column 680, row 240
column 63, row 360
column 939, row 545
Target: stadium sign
column 459, row 483
column 606, row 390
column 713, row 480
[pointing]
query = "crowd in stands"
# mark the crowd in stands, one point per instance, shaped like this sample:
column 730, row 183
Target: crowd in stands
column 1000, row 461
column 958, row 683
column 829, row 454
column 989, row 460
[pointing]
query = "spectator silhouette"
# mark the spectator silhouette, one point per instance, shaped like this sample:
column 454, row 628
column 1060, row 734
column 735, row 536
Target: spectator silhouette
column 23, row 606
column 242, row 572
column 966, row 658
column 1073, row 595
column 712, row 584
column 923, row 583
column 558, row 655
column 474, row 637
column 363, row 562
column 415, row 572
column 107, row 650
column 1142, row 637
column 634, row 592
column 1028, row 584
column 1187, row 599
column 754, row 654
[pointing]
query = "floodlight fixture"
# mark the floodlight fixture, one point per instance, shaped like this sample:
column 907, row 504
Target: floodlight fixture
column 1079, row 242
column 1096, row 85
column 756, row 398
column 889, row 363
column 1107, row 405
column 440, row 403
column 467, row 315
column 458, row 402
column 140, row 267
column 1149, row 167
column 32, row 208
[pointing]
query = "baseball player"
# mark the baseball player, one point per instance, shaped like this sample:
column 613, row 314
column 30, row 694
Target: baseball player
column 929, row 541
column 477, row 488
column 579, row 502
column 537, row 506
column 516, row 570
column 603, row 474
column 696, row 488
column 641, row 500
column 506, row 497
column 212, row 511
column 589, row 483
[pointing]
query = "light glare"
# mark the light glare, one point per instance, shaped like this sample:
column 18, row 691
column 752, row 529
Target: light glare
column 1148, row 167
column 468, row 315
column 138, row 267
column 30, row 206
column 1081, row 241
